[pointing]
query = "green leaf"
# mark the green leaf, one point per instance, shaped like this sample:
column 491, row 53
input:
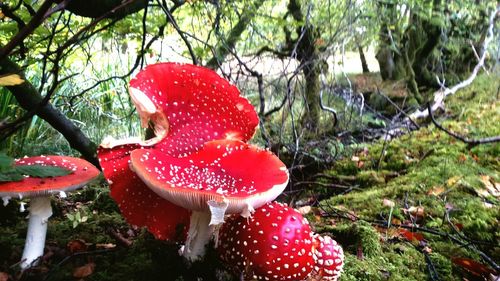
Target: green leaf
column 10, row 177
column 40, row 171
column 6, row 162
column 70, row 217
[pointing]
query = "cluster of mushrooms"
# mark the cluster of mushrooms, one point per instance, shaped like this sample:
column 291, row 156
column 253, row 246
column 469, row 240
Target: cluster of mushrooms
column 198, row 179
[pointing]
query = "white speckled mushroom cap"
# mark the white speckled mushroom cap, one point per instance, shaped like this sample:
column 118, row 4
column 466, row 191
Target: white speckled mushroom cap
column 231, row 171
column 82, row 172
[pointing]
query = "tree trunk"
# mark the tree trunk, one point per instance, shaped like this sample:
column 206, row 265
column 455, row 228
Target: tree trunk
column 29, row 98
column 362, row 57
column 308, row 55
column 311, row 117
column 410, row 61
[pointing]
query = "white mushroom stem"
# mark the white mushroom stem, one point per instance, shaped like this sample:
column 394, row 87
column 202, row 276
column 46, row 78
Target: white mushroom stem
column 199, row 234
column 201, row 229
column 40, row 211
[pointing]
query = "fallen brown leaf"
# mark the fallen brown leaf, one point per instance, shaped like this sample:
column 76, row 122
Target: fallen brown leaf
column 84, row 271
column 451, row 181
column 388, row 203
column 462, row 158
column 4, row 276
column 417, row 212
column 77, row 245
column 411, row 236
column 492, row 186
column 436, row 190
column 474, row 267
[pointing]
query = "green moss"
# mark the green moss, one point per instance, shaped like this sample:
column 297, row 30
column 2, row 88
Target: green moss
column 394, row 262
column 430, row 170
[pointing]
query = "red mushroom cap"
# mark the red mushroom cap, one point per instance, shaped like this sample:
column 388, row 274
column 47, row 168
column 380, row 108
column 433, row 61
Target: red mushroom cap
column 274, row 244
column 191, row 105
column 329, row 258
column 188, row 106
column 82, row 173
column 138, row 204
column 232, row 171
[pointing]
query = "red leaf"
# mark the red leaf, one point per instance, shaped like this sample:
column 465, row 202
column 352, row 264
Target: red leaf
column 410, row 236
column 4, row 276
column 77, row 245
column 475, row 268
column 84, row 271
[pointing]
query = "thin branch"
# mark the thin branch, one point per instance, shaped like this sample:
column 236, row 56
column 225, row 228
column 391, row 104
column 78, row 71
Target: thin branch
column 144, row 33
column 179, row 31
column 35, row 21
column 470, row 142
column 439, row 96
column 332, row 211
column 324, row 107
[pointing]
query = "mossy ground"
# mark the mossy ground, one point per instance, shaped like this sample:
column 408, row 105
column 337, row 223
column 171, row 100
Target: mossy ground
column 425, row 169
column 426, row 174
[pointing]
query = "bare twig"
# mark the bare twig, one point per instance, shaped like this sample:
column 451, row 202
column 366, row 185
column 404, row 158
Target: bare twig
column 332, row 211
column 440, row 95
column 470, row 142
column 163, row 5
column 35, row 21
column 324, row 107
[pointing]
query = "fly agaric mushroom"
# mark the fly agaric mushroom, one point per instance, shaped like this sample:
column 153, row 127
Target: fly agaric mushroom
column 39, row 190
column 274, row 244
column 139, row 204
column 225, row 176
column 188, row 105
column 329, row 258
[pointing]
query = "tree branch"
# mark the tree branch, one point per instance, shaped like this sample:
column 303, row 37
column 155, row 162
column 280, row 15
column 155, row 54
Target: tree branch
column 470, row 142
column 227, row 44
column 29, row 99
column 35, row 21
column 440, row 95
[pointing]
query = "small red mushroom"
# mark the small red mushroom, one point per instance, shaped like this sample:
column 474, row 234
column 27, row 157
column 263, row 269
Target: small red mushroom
column 225, row 176
column 274, row 244
column 39, row 190
column 329, row 258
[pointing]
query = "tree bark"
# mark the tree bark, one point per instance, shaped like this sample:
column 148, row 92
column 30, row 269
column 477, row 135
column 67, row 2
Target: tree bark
column 414, row 49
column 364, row 64
column 308, row 55
column 97, row 8
column 29, row 98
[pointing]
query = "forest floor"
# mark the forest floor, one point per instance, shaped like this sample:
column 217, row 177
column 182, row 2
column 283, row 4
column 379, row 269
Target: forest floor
column 423, row 206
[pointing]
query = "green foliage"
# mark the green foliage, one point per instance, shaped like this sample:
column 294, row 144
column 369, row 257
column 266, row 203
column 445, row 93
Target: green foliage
column 39, row 171
column 77, row 218
column 11, row 172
